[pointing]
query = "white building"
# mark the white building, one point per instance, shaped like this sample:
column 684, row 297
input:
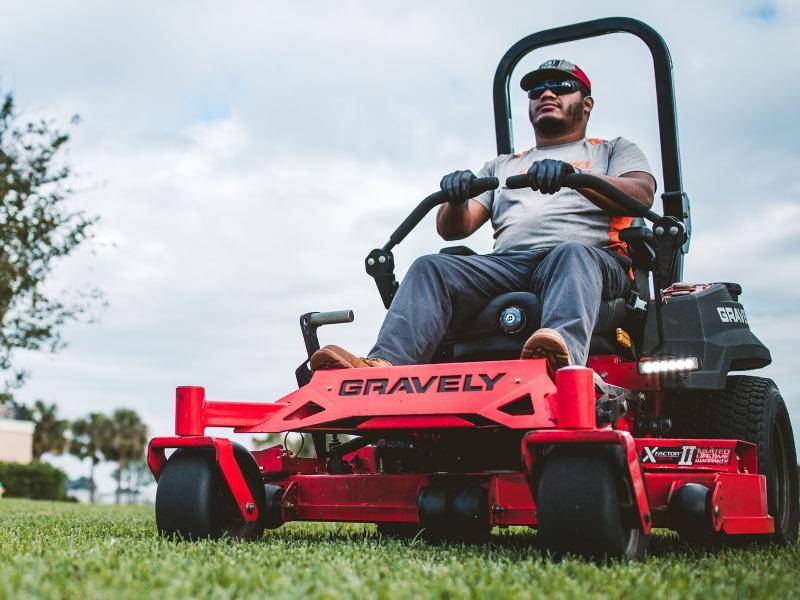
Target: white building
column 16, row 441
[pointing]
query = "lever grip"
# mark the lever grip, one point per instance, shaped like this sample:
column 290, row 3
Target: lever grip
column 331, row 318
column 482, row 184
column 517, row 182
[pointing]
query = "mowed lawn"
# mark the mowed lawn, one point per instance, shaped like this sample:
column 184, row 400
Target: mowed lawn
column 60, row 550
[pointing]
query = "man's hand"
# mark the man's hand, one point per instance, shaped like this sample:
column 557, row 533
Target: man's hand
column 456, row 186
column 547, row 175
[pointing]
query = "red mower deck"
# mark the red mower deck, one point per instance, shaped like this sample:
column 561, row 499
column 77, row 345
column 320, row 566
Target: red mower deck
column 436, row 398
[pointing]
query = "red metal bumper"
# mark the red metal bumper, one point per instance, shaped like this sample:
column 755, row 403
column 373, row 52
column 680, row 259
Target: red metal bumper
column 458, row 395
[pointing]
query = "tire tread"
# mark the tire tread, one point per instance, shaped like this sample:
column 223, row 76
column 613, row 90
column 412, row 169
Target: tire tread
column 744, row 410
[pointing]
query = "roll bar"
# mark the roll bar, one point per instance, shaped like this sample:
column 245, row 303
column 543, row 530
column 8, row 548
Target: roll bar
column 675, row 200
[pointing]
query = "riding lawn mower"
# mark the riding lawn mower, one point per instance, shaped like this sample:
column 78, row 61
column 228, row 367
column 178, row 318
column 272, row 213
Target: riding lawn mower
column 656, row 430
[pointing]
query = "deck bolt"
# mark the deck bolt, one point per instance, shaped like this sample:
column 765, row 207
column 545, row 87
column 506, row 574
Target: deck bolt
column 329, row 388
column 249, row 507
column 517, row 380
column 370, row 261
column 381, row 259
column 716, row 510
column 659, row 230
column 673, row 230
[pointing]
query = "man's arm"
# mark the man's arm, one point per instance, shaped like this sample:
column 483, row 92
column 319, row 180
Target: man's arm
column 455, row 222
column 638, row 184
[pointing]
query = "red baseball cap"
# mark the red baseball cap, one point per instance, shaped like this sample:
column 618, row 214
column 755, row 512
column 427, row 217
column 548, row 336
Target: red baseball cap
column 555, row 69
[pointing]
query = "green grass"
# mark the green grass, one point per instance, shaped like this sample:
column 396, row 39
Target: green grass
column 55, row 550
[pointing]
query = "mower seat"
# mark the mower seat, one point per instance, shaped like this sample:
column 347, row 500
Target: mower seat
column 500, row 329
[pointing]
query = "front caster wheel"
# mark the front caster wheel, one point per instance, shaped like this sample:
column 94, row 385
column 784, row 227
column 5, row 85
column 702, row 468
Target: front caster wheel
column 193, row 500
column 579, row 510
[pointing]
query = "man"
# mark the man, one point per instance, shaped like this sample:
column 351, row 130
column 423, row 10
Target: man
column 548, row 239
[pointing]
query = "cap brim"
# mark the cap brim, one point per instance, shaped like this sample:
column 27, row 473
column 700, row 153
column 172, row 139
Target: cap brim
column 539, row 75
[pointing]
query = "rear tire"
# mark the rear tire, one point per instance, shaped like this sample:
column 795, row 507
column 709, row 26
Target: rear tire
column 749, row 409
column 193, row 500
column 579, row 509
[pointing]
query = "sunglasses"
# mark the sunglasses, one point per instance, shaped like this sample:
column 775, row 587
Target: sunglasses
column 559, row 88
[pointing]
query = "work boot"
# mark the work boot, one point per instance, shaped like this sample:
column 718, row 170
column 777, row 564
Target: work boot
column 547, row 343
column 334, row 357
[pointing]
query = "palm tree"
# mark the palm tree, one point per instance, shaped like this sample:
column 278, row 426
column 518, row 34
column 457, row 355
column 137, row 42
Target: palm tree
column 48, row 435
column 87, row 438
column 124, row 441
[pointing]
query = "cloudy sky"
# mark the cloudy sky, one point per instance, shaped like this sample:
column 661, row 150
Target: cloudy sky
column 245, row 157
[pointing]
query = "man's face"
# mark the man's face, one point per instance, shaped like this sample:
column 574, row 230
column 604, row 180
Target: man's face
column 552, row 114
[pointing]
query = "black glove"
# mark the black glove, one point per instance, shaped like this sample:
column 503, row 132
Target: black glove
column 547, row 175
column 456, row 186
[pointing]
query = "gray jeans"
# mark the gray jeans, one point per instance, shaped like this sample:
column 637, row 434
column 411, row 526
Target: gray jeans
column 441, row 291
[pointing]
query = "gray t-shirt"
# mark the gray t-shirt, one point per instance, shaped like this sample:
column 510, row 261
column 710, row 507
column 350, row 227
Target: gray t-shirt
column 528, row 220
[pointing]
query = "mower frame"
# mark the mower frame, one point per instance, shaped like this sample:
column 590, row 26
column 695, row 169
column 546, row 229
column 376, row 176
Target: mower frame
column 608, row 408
column 383, row 400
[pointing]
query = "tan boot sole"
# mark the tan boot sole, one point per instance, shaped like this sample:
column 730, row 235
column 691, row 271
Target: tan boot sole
column 547, row 343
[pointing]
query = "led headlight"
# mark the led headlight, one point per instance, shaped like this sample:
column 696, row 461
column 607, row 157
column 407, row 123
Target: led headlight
column 667, row 365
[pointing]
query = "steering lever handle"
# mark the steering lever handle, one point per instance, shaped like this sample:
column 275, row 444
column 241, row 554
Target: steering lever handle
column 624, row 201
column 477, row 186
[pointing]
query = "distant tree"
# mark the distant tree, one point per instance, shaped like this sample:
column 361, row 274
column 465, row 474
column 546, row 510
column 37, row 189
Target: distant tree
column 8, row 408
column 49, row 433
column 87, row 439
column 124, row 442
column 135, row 476
column 36, row 229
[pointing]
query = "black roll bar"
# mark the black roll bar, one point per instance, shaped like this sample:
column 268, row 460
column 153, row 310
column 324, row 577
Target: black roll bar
column 675, row 201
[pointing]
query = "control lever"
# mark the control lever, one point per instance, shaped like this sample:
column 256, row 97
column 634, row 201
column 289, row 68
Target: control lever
column 380, row 261
column 309, row 323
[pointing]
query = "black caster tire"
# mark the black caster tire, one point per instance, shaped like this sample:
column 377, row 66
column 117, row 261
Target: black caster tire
column 579, row 509
column 750, row 409
column 193, row 500
column 455, row 512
